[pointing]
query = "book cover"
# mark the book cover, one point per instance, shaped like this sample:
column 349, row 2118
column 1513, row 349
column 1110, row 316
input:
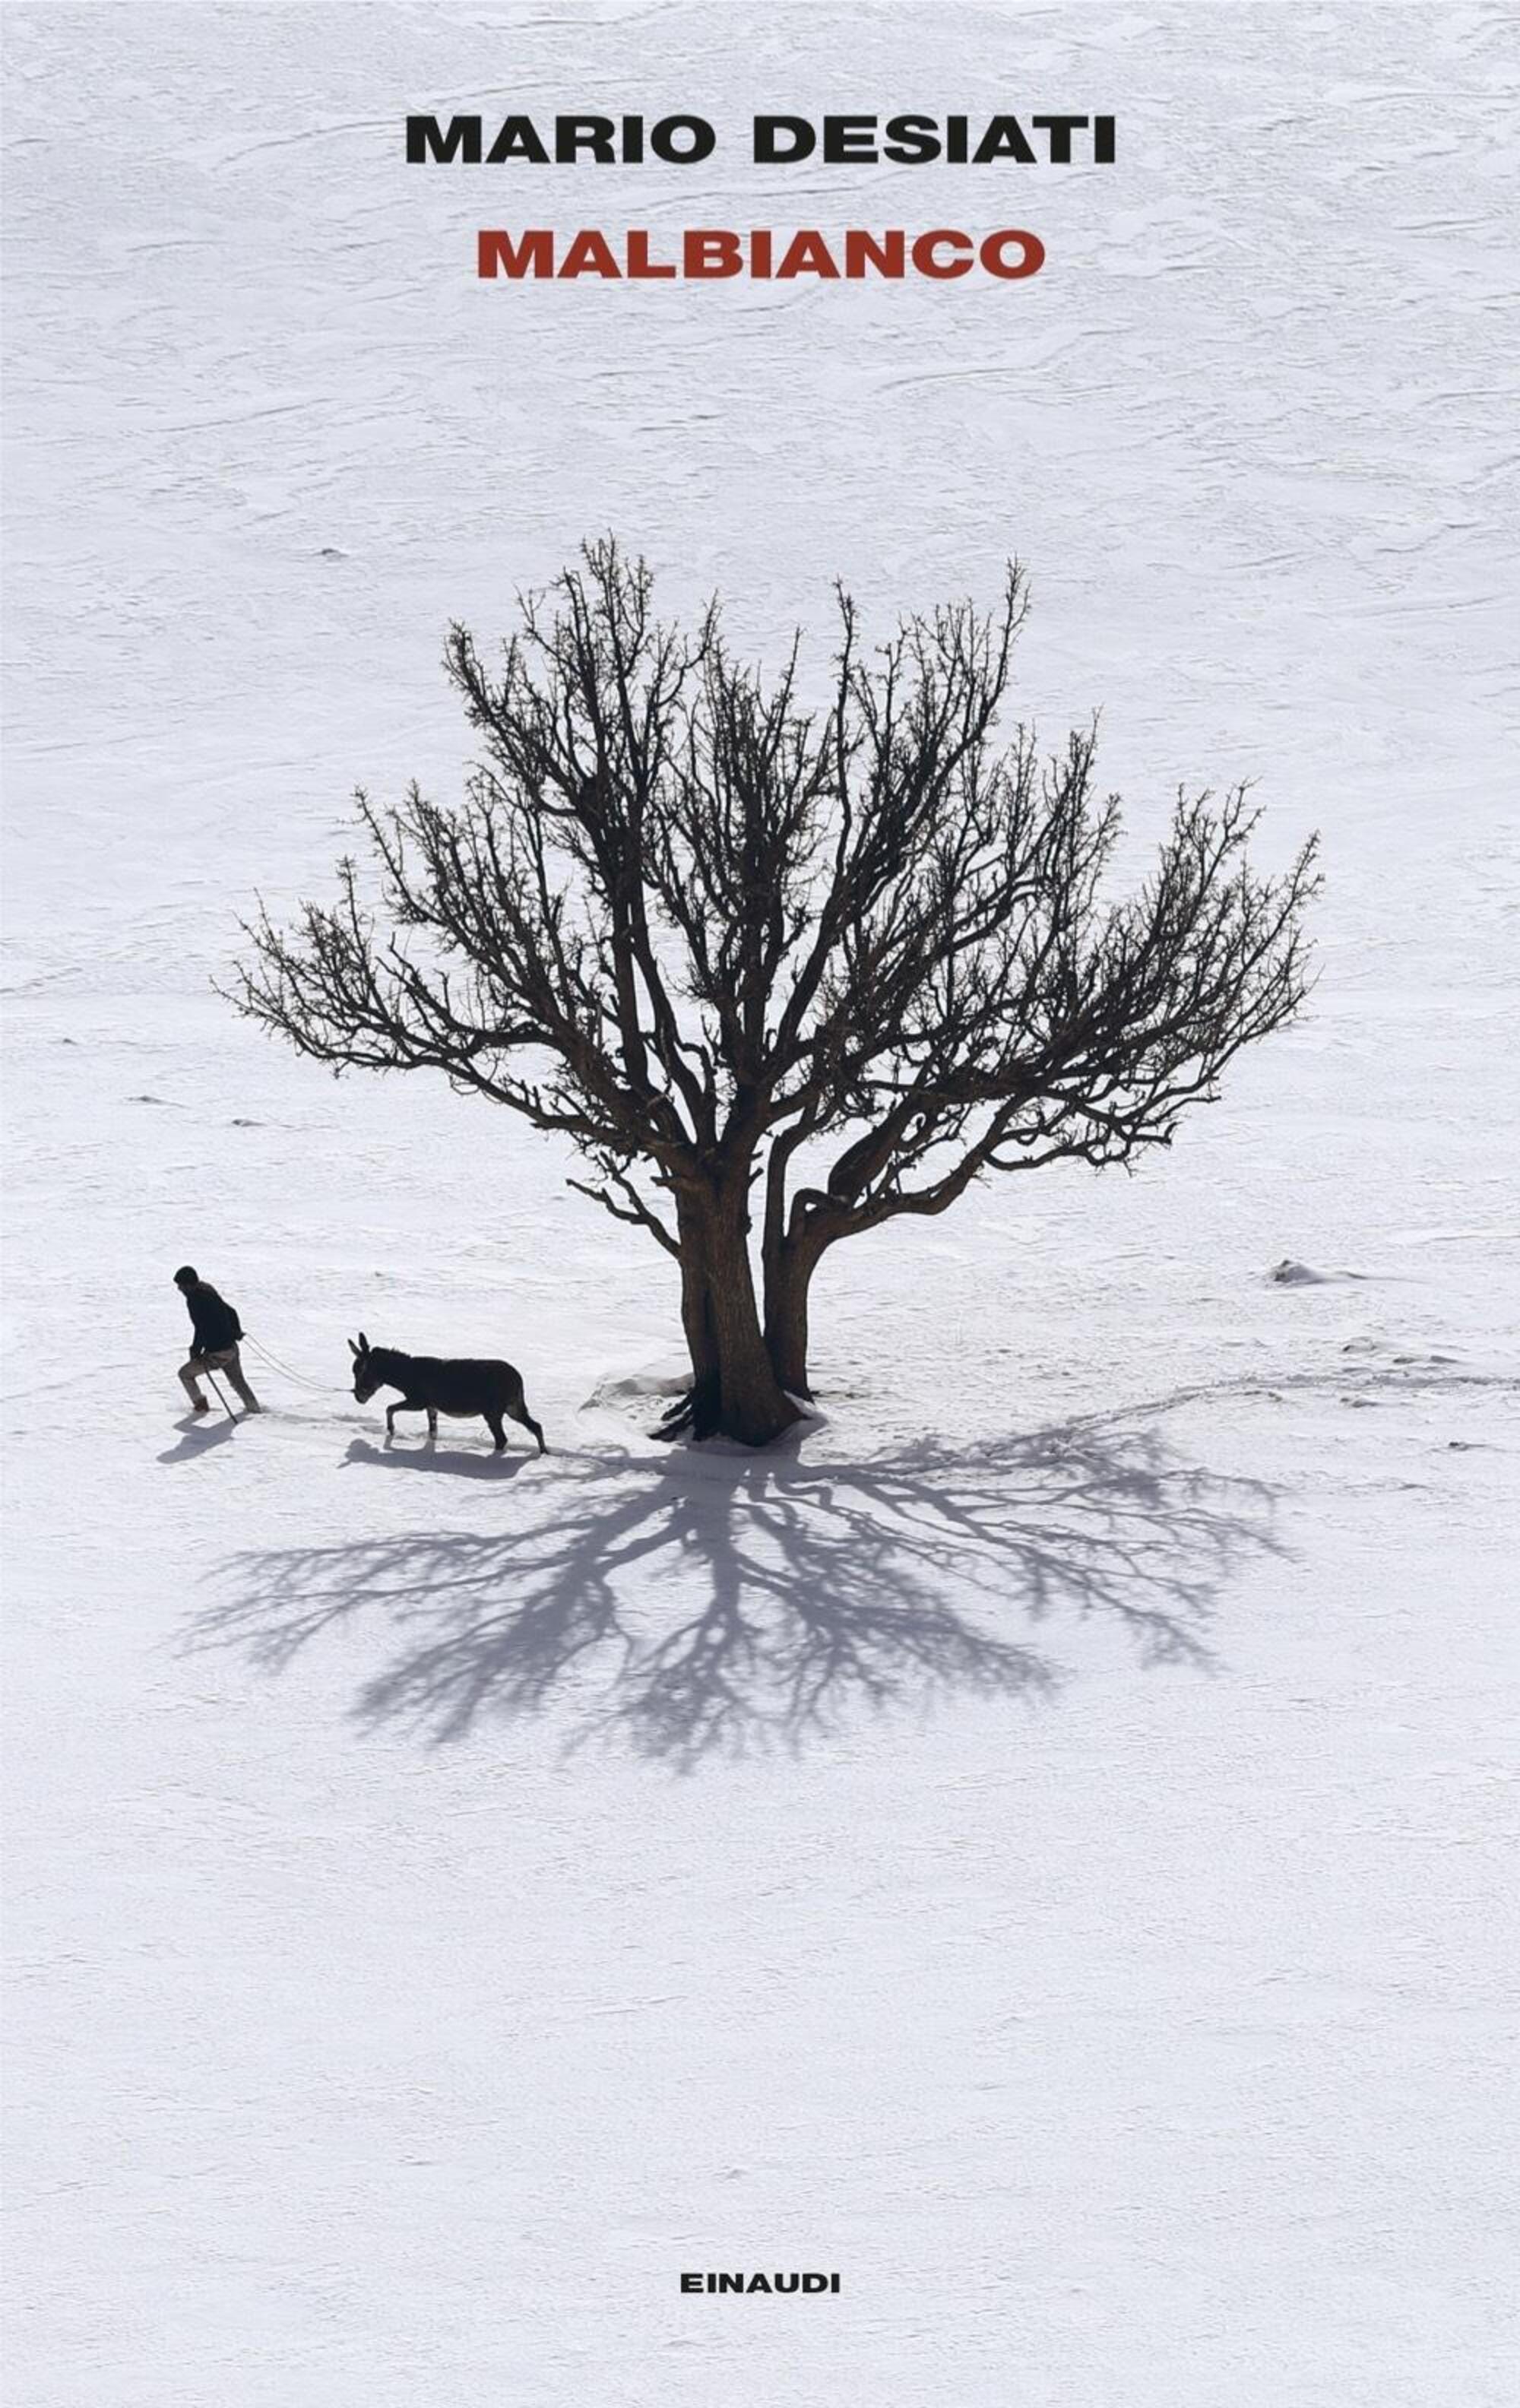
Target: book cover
column 760, row 1204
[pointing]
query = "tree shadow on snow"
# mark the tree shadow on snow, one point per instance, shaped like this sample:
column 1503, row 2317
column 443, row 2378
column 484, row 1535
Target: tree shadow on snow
column 698, row 1601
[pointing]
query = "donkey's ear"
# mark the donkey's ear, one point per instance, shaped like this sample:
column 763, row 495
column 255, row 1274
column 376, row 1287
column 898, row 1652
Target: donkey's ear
column 354, row 1351
column 363, row 1342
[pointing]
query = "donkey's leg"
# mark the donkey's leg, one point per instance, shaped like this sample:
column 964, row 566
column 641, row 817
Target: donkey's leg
column 432, row 1423
column 492, row 1423
column 520, row 1414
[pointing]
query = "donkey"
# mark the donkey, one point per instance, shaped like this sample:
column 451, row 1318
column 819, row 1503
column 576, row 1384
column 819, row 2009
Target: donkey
column 431, row 1386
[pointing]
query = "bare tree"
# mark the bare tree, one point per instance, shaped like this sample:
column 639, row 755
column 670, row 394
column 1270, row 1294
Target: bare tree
column 710, row 936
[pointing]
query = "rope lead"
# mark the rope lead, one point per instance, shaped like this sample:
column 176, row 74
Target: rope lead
column 318, row 1387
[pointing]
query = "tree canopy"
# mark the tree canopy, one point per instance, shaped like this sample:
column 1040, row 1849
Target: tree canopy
column 718, row 937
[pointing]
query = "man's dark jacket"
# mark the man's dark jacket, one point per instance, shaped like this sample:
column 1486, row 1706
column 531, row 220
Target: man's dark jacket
column 217, row 1325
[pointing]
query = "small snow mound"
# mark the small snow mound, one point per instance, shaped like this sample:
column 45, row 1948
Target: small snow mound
column 655, row 1380
column 1288, row 1274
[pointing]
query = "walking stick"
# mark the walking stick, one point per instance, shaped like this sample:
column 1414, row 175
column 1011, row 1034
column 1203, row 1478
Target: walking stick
column 219, row 1397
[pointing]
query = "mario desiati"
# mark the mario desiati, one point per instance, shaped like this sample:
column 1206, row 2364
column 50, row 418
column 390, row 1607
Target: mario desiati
column 684, row 141
column 713, row 252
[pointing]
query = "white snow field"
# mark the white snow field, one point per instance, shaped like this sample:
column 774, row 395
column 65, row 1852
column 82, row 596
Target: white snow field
column 1042, row 1845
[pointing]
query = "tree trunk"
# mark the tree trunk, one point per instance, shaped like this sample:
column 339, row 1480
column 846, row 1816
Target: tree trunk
column 735, row 1391
column 699, row 1410
column 788, row 1279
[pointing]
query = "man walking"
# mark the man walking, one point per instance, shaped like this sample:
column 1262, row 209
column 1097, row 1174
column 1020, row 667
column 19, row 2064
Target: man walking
column 218, row 1331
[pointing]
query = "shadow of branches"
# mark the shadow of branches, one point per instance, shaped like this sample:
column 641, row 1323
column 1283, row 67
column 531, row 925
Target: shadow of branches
column 697, row 1602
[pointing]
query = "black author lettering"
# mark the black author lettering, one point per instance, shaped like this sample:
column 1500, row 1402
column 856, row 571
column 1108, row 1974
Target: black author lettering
column 909, row 140
column 603, row 141
column 914, row 141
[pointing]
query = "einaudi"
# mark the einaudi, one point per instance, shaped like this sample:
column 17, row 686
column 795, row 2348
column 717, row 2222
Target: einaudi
column 759, row 2282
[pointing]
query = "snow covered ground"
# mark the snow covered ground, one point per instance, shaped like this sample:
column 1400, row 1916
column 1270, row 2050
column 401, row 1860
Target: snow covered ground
column 1041, row 1846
